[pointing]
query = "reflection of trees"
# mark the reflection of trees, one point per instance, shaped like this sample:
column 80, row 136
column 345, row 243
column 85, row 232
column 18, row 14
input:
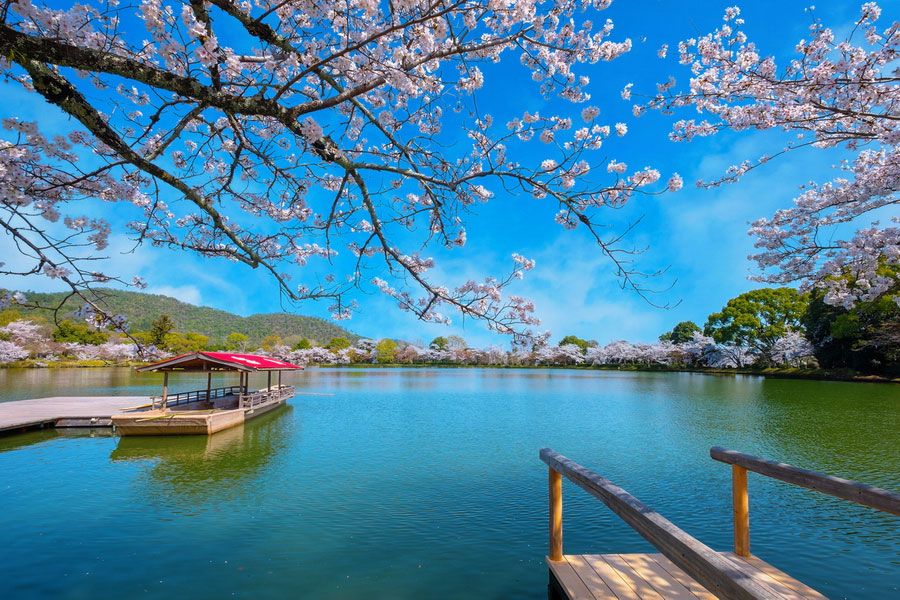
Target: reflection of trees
column 848, row 429
column 195, row 468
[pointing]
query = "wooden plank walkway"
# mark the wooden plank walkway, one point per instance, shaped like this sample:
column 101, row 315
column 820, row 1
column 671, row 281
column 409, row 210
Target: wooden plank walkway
column 655, row 577
column 64, row 411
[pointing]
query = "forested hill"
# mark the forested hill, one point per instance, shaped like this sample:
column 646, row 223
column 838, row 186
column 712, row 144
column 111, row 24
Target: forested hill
column 141, row 309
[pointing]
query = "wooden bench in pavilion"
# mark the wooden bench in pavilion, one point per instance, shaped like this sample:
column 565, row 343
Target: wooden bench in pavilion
column 684, row 568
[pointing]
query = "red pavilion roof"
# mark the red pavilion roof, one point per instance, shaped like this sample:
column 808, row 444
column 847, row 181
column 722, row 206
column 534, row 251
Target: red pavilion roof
column 220, row 361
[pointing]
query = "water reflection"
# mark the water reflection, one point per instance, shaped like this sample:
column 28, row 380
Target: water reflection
column 401, row 480
column 41, row 436
column 189, row 469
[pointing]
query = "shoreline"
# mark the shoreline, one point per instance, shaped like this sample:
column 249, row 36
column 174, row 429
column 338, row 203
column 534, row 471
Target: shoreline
column 844, row 375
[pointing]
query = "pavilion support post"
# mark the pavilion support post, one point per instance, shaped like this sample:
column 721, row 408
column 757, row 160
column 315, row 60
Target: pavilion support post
column 279, row 379
column 208, row 384
column 269, row 385
column 165, row 389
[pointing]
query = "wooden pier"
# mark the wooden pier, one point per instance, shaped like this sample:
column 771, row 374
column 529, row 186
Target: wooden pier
column 64, row 411
column 684, row 568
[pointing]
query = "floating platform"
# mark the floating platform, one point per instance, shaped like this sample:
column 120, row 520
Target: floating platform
column 229, row 411
column 64, row 411
column 655, row 577
column 205, row 412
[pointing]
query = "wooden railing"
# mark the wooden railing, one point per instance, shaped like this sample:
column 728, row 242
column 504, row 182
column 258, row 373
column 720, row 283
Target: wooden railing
column 194, row 396
column 860, row 493
column 725, row 578
column 273, row 394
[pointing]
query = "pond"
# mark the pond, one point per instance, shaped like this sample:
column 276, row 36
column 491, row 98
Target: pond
column 426, row 483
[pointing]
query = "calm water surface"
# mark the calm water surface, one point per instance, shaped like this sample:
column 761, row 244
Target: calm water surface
column 426, row 484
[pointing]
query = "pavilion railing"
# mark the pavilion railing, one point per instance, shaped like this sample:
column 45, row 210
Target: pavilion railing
column 275, row 393
column 194, row 396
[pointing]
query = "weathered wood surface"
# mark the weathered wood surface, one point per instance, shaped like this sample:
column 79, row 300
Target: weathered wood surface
column 725, row 578
column 23, row 414
column 854, row 491
column 206, row 419
column 654, row 577
column 556, row 543
column 741, row 509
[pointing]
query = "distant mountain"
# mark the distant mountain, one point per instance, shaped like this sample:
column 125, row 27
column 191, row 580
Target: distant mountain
column 141, row 309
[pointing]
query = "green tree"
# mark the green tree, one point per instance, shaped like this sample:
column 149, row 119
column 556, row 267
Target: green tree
column 438, row 343
column 159, row 329
column 865, row 338
column 681, row 333
column 757, row 319
column 386, row 351
column 8, row 316
column 185, row 343
column 338, row 343
column 69, row 331
column 571, row 339
column 454, row 342
column 236, row 341
column 198, row 341
column 270, row 341
column 302, row 345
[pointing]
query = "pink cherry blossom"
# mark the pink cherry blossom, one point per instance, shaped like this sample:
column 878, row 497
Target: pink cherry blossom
column 836, row 94
column 277, row 135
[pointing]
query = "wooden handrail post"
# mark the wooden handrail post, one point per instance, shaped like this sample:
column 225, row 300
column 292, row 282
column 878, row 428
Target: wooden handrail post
column 741, row 506
column 556, row 544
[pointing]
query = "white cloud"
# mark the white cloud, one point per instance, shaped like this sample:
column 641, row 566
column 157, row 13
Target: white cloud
column 185, row 293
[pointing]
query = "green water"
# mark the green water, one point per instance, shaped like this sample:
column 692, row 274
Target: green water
column 426, row 484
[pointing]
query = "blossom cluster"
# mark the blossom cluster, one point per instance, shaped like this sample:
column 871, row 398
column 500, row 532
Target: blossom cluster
column 23, row 339
column 276, row 134
column 792, row 350
column 839, row 92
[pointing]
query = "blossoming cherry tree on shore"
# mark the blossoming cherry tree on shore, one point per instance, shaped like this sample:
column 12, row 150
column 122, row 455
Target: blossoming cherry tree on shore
column 840, row 92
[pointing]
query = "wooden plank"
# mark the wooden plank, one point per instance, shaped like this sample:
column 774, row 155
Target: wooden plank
column 611, row 577
column 570, row 582
column 84, row 422
column 634, row 579
column 661, row 580
column 22, row 414
column 591, row 578
column 783, row 579
column 861, row 493
column 698, row 590
column 740, row 502
column 726, row 578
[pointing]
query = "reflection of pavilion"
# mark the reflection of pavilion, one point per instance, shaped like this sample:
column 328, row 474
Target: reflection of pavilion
column 192, row 466
column 213, row 409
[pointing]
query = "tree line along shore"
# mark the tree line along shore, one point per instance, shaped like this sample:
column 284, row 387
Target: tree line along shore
column 772, row 331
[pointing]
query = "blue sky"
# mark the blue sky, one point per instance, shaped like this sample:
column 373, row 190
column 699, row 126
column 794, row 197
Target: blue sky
column 700, row 235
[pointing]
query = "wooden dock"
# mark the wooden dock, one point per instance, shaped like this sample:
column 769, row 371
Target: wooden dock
column 64, row 411
column 685, row 568
column 655, row 577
